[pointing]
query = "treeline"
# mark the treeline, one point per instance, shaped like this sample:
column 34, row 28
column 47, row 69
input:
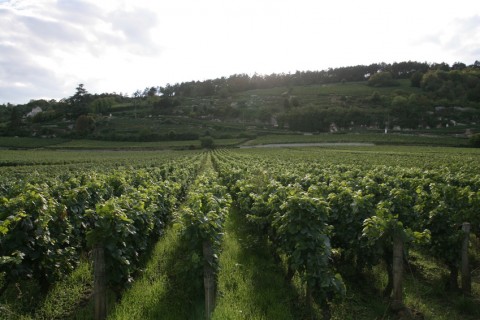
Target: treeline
column 448, row 96
column 462, row 85
column 80, row 107
column 242, row 82
column 448, row 92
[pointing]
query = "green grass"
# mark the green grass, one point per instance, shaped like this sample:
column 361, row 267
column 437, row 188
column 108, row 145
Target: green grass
column 63, row 300
column 376, row 138
column 20, row 300
column 251, row 285
column 55, row 143
column 425, row 291
column 23, row 142
column 97, row 144
column 424, row 295
column 166, row 290
column 228, row 142
column 24, row 300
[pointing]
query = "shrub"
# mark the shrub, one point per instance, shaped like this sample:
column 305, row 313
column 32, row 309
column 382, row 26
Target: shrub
column 475, row 140
column 382, row 79
column 207, row 142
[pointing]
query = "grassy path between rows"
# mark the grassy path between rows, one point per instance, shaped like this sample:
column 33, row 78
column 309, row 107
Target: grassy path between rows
column 165, row 290
column 250, row 284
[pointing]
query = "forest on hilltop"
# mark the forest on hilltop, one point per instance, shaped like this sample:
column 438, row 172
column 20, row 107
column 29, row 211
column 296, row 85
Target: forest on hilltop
column 404, row 95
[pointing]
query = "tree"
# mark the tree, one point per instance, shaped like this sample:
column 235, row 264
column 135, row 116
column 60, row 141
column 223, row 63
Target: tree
column 165, row 104
column 431, row 81
column 416, row 79
column 102, row 105
column 375, row 97
column 79, row 101
column 475, row 140
column 382, row 79
column 407, row 111
column 295, row 102
column 440, row 66
column 15, row 119
column 459, row 66
column 171, row 135
column 136, row 96
column 152, row 92
column 474, row 93
column 207, row 142
column 84, row 125
column 168, row 90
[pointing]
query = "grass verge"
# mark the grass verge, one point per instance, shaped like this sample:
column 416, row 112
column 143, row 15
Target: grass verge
column 25, row 300
column 250, row 284
column 166, row 289
column 424, row 294
column 376, row 138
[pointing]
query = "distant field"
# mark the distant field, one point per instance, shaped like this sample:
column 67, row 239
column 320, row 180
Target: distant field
column 13, row 142
column 94, row 144
column 32, row 143
column 28, row 158
column 378, row 138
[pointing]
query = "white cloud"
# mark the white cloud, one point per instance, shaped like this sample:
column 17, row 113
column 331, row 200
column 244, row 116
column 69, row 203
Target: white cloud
column 465, row 38
column 456, row 40
column 47, row 47
column 68, row 42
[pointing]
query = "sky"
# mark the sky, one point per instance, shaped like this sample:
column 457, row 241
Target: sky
column 48, row 47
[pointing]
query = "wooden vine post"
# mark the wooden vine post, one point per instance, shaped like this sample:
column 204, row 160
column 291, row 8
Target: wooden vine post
column 99, row 285
column 466, row 278
column 397, row 268
column 309, row 296
column 208, row 278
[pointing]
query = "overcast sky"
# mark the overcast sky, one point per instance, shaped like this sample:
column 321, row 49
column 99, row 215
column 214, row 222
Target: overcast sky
column 48, row 47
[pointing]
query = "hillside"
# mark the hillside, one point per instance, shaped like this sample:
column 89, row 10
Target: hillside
column 438, row 103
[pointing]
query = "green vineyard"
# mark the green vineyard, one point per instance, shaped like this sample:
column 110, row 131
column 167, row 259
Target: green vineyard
column 287, row 233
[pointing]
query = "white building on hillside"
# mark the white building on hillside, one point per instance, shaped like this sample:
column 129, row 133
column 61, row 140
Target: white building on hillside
column 34, row 112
